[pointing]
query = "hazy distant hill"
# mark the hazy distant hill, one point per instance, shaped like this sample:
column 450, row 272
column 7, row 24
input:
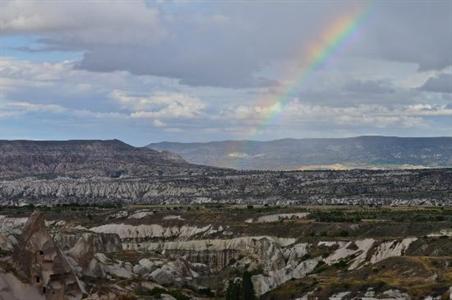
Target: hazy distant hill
column 341, row 153
column 85, row 158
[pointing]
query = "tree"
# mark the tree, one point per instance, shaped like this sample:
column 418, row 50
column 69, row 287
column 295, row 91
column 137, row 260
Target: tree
column 247, row 287
column 233, row 290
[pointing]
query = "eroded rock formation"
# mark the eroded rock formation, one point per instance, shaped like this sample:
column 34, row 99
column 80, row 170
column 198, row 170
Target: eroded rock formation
column 42, row 263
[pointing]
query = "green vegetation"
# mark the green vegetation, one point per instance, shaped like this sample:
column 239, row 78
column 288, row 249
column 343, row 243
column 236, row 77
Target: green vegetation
column 157, row 292
column 383, row 214
column 233, row 290
column 241, row 290
column 247, row 287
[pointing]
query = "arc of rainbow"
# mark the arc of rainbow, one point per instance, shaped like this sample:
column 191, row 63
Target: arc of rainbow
column 319, row 53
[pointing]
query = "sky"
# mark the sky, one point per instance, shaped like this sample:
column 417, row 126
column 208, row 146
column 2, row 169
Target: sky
column 194, row 71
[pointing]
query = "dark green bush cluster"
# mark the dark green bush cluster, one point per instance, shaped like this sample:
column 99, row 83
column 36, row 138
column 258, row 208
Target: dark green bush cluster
column 158, row 291
column 355, row 216
column 243, row 290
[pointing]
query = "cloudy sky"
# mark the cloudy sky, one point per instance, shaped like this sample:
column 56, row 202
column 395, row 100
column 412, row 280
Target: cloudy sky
column 145, row 71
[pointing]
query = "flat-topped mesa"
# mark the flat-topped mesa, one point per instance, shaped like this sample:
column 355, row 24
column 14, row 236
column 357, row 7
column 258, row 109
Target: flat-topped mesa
column 83, row 158
column 42, row 263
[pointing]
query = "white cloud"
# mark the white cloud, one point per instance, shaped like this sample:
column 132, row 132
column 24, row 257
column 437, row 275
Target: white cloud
column 13, row 109
column 225, row 44
column 429, row 110
column 160, row 105
column 33, row 107
column 158, row 123
column 59, row 89
column 296, row 112
column 98, row 115
column 18, row 108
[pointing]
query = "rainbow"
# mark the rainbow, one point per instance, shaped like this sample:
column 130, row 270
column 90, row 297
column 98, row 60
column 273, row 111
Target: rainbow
column 311, row 58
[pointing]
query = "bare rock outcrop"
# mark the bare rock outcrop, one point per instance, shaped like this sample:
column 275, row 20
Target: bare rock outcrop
column 43, row 264
column 12, row 288
column 352, row 188
column 100, row 242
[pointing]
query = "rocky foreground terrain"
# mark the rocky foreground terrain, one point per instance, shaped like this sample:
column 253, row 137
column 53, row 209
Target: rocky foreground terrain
column 114, row 172
column 225, row 252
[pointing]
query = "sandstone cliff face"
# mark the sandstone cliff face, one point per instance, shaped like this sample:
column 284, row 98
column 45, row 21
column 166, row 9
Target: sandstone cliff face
column 89, row 244
column 155, row 231
column 100, row 242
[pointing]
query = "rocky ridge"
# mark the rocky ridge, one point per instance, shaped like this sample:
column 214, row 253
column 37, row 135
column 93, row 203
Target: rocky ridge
column 83, row 158
column 408, row 187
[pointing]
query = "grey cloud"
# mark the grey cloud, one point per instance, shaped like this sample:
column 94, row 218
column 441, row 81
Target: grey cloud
column 226, row 44
column 81, row 23
column 231, row 54
column 410, row 31
column 369, row 87
column 441, row 84
column 195, row 69
column 203, row 52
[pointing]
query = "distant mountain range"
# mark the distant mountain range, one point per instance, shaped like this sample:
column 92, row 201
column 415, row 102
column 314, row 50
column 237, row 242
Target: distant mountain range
column 367, row 152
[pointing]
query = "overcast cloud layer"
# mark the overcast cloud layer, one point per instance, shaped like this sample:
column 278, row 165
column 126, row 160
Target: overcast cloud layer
column 146, row 71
